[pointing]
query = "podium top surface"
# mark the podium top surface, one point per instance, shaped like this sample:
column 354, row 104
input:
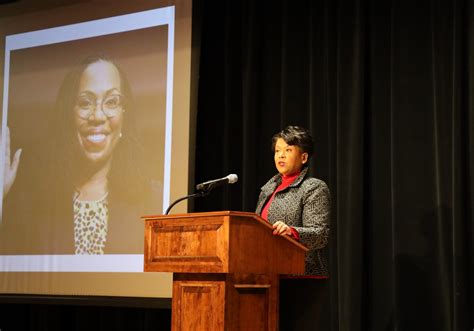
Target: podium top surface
column 202, row 214
column 223, row 213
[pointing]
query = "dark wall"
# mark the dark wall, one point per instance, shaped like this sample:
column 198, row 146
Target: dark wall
column 79, row 314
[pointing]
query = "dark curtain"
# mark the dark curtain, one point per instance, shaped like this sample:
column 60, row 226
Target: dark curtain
column 386, row 87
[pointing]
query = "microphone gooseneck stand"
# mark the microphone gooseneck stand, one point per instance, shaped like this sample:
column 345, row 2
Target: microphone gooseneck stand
column 205, row 188
column 190, row 196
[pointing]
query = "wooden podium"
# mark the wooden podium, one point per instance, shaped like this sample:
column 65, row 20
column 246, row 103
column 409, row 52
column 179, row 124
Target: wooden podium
column 226, row 268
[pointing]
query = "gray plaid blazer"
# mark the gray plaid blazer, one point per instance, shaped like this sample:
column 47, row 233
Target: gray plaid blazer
column 304, row 205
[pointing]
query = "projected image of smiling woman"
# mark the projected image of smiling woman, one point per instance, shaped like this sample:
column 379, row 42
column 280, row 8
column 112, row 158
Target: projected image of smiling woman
column 95, row 161
column 98, row 118
column 99, row 112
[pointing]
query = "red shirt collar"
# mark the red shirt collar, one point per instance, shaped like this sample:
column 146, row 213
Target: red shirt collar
column 288, row 179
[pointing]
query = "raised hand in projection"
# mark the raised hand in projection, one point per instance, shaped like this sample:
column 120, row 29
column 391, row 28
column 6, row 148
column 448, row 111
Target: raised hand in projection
column 11, row 165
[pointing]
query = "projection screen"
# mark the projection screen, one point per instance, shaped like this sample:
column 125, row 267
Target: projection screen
column 95, row 134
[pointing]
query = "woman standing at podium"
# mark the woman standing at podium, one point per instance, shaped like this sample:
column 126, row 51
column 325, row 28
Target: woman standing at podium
column 298, row 206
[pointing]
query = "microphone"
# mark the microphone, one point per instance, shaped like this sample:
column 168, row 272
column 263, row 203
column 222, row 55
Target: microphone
column 209, row 185
column 205, row 188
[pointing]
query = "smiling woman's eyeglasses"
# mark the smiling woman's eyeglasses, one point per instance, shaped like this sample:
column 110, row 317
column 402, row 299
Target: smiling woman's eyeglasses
column 111, row 105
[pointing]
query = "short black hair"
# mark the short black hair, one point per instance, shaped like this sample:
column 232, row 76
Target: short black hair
column 295, row 136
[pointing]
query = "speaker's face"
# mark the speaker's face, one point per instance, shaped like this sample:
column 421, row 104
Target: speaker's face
column 289, row 159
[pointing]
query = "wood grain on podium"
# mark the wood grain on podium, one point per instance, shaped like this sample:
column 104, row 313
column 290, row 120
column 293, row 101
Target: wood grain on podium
column 226, row 268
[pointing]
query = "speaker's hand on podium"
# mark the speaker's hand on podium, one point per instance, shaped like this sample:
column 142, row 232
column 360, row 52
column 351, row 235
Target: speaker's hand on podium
column 280, row 228
column 11, row 165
